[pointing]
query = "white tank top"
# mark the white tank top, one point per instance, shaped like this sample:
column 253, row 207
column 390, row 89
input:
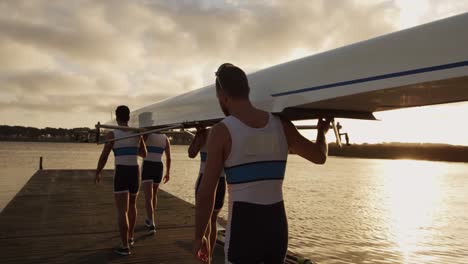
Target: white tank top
column 256, row 166
column 126, row 150
column 155, row 144
column 204, row 156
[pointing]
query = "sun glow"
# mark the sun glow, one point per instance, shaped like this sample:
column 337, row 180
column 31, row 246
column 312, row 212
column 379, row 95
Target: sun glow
column 430, row 124
column 411, row 12
column 412, row 191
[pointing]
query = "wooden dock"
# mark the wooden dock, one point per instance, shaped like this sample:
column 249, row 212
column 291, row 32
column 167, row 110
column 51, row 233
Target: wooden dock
column 61, row 216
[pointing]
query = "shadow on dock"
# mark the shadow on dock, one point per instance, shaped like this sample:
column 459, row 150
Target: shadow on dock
column 61, row 216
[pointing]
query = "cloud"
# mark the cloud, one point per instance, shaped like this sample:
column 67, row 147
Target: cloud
column 416, row 12
column 17, row 57
column 253, row 33
column 81, row 58
column 78, row 103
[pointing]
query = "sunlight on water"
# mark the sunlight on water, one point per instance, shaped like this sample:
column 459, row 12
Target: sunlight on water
column 378, row 211
column 413, row 195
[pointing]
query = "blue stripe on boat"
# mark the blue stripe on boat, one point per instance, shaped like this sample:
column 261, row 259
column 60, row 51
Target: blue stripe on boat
column 124, row 151
column 378, row 77
column 256, row 171
column 155, row 149
column 203, row 156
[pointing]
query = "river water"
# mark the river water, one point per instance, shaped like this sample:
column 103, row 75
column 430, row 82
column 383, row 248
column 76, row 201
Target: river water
column 346, row 211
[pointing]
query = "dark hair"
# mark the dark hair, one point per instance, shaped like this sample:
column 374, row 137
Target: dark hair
column 233, row 81
column 122, row 113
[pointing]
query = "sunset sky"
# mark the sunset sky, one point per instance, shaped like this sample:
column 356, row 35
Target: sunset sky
column 69, row 63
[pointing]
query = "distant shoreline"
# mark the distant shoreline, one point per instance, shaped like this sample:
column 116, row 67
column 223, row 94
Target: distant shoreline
column 414, row 151
column 52, row 140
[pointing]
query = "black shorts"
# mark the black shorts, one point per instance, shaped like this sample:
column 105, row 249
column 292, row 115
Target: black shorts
column 220, row 191
column 152, row 171
column 126, row 179
column 258, row 233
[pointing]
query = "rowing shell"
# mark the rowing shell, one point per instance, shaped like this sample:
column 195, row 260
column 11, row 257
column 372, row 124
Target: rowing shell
column 424, row 65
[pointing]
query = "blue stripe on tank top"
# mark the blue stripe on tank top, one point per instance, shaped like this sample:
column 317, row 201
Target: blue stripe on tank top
column 256, row 171
column 203, row 156
column 155, row 149
column 125, row 151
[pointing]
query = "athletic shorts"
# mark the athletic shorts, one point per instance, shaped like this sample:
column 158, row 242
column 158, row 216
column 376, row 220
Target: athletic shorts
column 152, row 171
column 257, row 233
column 126, row 179
column 220, row 191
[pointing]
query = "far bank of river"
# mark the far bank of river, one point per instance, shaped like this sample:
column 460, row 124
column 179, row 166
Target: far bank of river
column 431, row 152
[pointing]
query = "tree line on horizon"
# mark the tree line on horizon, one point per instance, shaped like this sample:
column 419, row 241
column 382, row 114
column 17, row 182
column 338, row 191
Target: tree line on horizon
column 391, row 150
column 396, row 150
column 78, row 134
column 34, row 133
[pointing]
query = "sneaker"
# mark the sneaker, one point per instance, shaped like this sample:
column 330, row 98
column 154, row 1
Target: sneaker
column 131, row 242
column 148, row 223
column 151, row 229
column 122, row 251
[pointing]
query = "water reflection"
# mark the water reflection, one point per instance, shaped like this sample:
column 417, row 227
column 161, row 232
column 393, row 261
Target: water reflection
column 412, row 196
column 378, row 211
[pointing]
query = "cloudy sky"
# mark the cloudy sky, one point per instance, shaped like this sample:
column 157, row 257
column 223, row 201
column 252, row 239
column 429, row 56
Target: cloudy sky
column 69, row 63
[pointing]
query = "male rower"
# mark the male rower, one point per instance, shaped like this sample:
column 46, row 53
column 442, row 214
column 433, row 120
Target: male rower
column 126, row 177
column 199, row 145
column 252, row 146
column 152, row 172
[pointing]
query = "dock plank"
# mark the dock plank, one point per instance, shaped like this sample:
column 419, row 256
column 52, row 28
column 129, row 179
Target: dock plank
column 61, row 216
